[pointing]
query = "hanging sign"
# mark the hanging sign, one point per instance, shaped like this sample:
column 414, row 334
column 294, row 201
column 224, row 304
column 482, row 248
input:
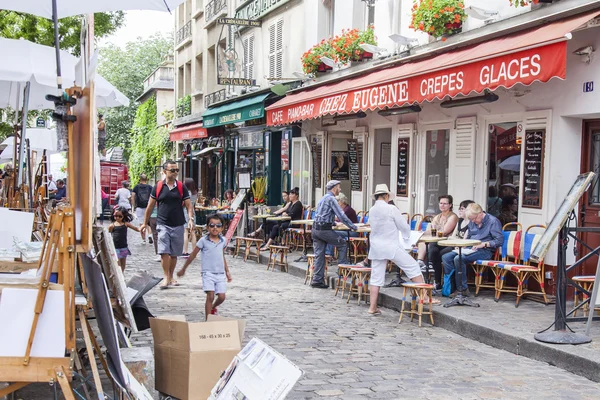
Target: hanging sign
column 239, row 21
column 233, row 225
column 534, row 169
column 255, row 9
column 355, row 181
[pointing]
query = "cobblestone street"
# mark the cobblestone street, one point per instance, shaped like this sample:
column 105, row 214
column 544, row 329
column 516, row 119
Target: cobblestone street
column 347, row 354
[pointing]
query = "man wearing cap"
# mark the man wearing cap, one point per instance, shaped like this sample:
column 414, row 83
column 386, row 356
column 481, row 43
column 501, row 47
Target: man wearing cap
column 384, row 244
column 322, row 233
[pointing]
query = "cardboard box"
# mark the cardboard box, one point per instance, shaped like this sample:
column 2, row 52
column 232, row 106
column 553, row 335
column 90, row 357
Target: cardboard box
column 190, row 356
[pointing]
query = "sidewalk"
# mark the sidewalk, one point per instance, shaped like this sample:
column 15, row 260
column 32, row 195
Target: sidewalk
column 499, row 325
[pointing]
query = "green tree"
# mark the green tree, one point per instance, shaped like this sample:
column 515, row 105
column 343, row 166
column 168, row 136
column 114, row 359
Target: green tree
column 39, row 30
column 127, row 68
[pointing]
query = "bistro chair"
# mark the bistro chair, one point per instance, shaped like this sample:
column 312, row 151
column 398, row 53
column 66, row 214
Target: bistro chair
column 256, row 243
column 417, row 291
column 586, row 282
column 344, row 280
column 425, row 223
column 295, row 232
column 359, row 286
column 525, row 270
column 278, row 258
column 415, row 222
column 509, row 253
column 310, row 270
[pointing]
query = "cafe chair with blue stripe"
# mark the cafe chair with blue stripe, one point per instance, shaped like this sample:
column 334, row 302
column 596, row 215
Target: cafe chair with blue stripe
column 525, row 270
column 508, row 253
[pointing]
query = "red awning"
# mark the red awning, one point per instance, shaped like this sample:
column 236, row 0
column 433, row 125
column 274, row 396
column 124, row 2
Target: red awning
column 195, row 131
column 525, row 57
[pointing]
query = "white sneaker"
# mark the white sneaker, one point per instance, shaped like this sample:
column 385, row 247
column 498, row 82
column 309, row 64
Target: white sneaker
column 144, row 242
column 158, row 258
column 422, row 266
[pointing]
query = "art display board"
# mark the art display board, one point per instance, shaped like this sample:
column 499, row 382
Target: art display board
column 594, row 300
column 17, row 306
column 17, row 224
column 412, row 241
column 258, row 372
column 581, row 184
column 237, row 202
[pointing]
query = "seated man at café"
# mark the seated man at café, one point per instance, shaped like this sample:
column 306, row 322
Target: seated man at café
column 351, row 214
column 286, row 203
column 484, row 227
column 294, row 211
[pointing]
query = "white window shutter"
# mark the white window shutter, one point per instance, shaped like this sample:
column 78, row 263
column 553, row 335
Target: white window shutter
column 279, row 50
column 461, row 174
column 249, row 57
column 272, row 48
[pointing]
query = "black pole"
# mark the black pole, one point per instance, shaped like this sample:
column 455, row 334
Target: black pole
column 56, row 44
column 560, row 311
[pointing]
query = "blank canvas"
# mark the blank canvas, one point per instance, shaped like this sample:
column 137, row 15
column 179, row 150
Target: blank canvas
column 16, row 313
column 15, row 223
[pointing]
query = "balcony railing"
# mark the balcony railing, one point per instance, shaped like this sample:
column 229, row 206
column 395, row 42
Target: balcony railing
column 214, row 8
column 214, row 97
column 184, row 33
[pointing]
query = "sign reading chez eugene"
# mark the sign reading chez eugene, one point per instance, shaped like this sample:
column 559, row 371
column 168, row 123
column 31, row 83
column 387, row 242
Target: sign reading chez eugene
column 523, row 67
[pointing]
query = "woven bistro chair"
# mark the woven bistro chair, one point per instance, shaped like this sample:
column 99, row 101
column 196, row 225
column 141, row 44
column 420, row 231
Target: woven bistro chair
column 508, row 253
column 415, row 222
column 525, row 270
column 294, row 233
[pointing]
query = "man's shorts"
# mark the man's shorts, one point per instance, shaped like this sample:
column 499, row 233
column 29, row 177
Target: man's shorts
column 101, row 143
column 214, row 282
column 139, row 213
column 170, row 239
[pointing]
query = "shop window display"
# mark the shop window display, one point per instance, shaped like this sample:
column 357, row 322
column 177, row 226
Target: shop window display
column 504, row 171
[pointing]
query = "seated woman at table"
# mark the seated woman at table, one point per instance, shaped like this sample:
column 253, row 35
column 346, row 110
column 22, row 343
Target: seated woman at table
column 444, row 222
column 229, row 196
column 462, row 226
column 286, row 203
column 351, row 214
column 294, row 210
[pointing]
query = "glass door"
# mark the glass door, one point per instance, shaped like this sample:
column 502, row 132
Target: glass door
column 437, row 151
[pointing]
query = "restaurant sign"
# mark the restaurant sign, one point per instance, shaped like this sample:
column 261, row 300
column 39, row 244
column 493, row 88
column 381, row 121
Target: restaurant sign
column 525, row 67
column 237, row 115
column 256, row 9
column 236, row 81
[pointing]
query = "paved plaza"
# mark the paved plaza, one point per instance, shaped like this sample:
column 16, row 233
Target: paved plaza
column 346, row 354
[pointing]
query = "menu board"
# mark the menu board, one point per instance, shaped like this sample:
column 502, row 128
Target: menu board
column 403, row 154
column 354, row 161
column 317, row 151
column 534, row 168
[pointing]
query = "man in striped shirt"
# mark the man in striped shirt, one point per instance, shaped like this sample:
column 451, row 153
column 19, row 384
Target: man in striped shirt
column 323, row 234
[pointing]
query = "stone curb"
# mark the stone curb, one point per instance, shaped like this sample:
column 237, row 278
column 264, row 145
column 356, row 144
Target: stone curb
column 514, row 344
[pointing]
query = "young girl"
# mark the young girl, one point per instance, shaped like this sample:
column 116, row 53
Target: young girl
column 121, row 221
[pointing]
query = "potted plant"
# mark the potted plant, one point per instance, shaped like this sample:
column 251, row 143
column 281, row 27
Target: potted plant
column 311, row 59
column 522, row 3
column 347, row 45
column 438, row 17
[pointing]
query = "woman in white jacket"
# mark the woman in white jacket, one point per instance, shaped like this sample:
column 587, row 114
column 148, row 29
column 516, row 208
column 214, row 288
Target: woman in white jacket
column 384, row 244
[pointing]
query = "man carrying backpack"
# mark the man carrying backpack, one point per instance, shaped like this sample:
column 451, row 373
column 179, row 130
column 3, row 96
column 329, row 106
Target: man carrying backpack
column 171, row 196
column 141, row 195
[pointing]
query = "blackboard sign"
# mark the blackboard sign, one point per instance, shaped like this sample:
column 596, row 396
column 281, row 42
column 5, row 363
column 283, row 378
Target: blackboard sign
column 403, row 154
column 354, row 160
column 316, row 158
column 534, row 168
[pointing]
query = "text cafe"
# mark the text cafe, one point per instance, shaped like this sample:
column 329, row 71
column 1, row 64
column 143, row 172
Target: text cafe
column 483, row 123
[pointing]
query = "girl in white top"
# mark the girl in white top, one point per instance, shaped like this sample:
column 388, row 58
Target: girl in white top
column 123, row 196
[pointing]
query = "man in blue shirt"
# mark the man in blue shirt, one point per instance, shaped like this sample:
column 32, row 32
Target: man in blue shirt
column 61, row 191
column 322, row 233
column 484, row 227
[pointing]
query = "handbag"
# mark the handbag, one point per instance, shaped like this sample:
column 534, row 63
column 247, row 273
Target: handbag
column 447, row 287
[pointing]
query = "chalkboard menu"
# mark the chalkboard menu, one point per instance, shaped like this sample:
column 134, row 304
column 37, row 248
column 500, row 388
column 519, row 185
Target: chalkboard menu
column 354, row 161
column 534, row 168
column 403, row 154
column 317, row 152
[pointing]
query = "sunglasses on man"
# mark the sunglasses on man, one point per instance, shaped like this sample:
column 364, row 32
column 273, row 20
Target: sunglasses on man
column 173, row 170
column 215, row 225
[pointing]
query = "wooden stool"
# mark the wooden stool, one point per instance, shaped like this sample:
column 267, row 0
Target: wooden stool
column 239, row 241
column 249, row 243
column 344, row 273
column 586, row 282
column 310, row 271
column 359, row 284
column 417, row 290
column 282, row 252
column 356, row 243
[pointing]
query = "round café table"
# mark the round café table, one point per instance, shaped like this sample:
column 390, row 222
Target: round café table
column 460, row 299
column 427, row 239
column 304, row 223
column 279, row 221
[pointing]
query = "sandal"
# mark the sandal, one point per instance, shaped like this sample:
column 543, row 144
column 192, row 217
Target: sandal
column 377, row 312
column 164, row 285
column 174, row 283
column 433, row 301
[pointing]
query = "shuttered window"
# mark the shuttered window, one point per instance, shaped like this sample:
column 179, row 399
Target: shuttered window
column 249, row 57
column 276, row 49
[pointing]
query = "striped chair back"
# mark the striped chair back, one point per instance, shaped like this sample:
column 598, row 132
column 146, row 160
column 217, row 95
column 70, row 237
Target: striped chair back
column 415, row 222
column 425, row 223
column 511, row 248
column 365, row 218
column 306, row 213
column 529, row 242
column 312, row 214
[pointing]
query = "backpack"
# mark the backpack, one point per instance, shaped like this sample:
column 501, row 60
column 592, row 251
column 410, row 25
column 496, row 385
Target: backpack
column 143, row 195
column 159, row 187
column 447, row 288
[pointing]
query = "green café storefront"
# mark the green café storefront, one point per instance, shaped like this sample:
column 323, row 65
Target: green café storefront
column 251, row 146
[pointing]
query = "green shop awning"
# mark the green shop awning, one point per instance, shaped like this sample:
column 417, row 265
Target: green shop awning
column 238, row 111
